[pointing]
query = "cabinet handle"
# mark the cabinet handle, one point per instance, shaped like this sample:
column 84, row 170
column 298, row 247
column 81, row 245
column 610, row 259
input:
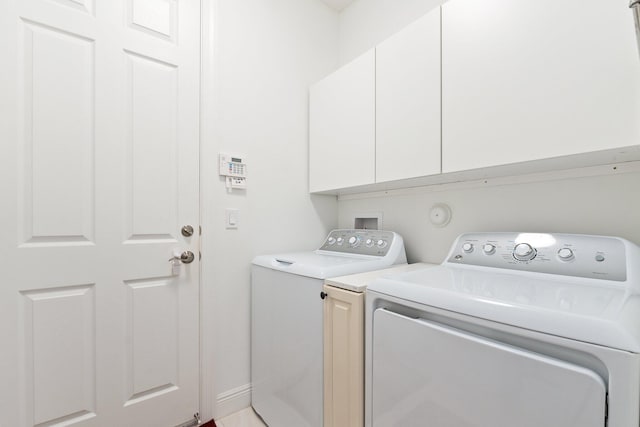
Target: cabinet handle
column 323, row 295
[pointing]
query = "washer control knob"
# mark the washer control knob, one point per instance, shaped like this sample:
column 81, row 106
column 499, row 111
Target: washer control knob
column 467, row 247
column 340, row 240
column 354, row 241
column 565, row 254
column 381, row 243
column 524, row 252
column 369, row 242
column 331, row 240
column 489, row 248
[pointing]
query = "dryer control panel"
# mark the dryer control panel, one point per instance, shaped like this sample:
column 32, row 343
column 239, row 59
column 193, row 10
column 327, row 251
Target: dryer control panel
column 596, row 257
column 360, row 242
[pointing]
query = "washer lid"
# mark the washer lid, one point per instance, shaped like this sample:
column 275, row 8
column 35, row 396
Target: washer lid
column 590, row 310
column 320, row 265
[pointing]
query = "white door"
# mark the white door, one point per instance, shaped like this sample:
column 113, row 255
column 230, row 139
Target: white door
column 98, row 173
column 425, row 371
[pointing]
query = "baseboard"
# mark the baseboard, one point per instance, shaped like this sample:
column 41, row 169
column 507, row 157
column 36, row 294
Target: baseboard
column 233, row 400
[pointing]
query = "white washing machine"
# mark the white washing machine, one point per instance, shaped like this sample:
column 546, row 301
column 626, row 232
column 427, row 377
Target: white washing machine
column 513, row 329
column 286, row 320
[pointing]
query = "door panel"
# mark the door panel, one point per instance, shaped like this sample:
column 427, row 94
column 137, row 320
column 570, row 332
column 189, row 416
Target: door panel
column 152, row 197
column 98, row 173
column 59, row 85
column 152, row 324
column 425, row 371
column 81, row 5
column 155, row 17
column 60, row 342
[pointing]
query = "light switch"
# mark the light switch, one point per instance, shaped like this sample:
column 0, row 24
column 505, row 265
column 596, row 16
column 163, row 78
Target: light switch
column 232, row 217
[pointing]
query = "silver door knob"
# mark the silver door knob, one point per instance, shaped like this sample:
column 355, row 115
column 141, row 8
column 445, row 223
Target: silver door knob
column 187, row 231
column 185, row 257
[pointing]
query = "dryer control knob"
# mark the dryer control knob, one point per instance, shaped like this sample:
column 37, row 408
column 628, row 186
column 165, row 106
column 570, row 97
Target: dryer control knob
column 565, row 254
column 524, row 252
column 489, row 248
column 467, row 247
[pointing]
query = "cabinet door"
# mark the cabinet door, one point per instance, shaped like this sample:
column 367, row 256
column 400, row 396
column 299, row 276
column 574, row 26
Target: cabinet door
column 342, row 127
column 408, row 101
column 343, row 358
column 526, row 80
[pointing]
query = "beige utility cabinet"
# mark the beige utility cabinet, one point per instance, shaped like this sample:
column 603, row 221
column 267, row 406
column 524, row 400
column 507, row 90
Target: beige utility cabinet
column 527, row 80
column 343, row 357
column 344, row 305
column 342, row 127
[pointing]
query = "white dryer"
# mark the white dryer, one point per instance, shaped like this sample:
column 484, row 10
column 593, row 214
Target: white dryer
column 513, row 329
column 286, row 320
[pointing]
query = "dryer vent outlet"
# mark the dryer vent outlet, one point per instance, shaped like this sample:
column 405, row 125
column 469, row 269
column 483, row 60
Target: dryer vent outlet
column 366, row 223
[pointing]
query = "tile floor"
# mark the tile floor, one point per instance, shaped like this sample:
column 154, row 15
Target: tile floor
column 244, row 418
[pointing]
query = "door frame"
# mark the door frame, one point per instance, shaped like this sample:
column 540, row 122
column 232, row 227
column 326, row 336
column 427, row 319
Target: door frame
column 207, row 319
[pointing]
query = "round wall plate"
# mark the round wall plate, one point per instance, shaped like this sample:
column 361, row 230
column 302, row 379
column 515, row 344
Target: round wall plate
column 440, row 214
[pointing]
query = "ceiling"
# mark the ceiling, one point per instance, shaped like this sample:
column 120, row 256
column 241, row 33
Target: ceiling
column 338, row 5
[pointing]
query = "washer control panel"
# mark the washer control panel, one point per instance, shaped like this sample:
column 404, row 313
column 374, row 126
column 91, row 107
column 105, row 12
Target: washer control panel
column 596, row 257
column 361, row 242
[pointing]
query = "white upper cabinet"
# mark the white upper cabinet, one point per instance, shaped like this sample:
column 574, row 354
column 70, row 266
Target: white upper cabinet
column 477, row 84
column 526, row 80
column 408, row 101
column 342, row 127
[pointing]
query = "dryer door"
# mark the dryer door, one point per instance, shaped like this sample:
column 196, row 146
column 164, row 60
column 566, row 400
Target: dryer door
column 429, row 374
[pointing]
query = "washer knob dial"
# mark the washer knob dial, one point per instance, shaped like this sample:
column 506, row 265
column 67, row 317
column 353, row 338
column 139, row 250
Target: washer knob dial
column 467, row 247
column 524, row 252
column 565, row 254
column 331, row 240
column 354, row 241
column 340, row 240
column 381, row 243
column 369, row 242
column 489, row 248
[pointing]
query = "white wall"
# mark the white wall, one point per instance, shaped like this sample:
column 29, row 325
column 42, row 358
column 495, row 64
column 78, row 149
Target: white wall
column 596, row 205
column 366, row 23
column 258, row 63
